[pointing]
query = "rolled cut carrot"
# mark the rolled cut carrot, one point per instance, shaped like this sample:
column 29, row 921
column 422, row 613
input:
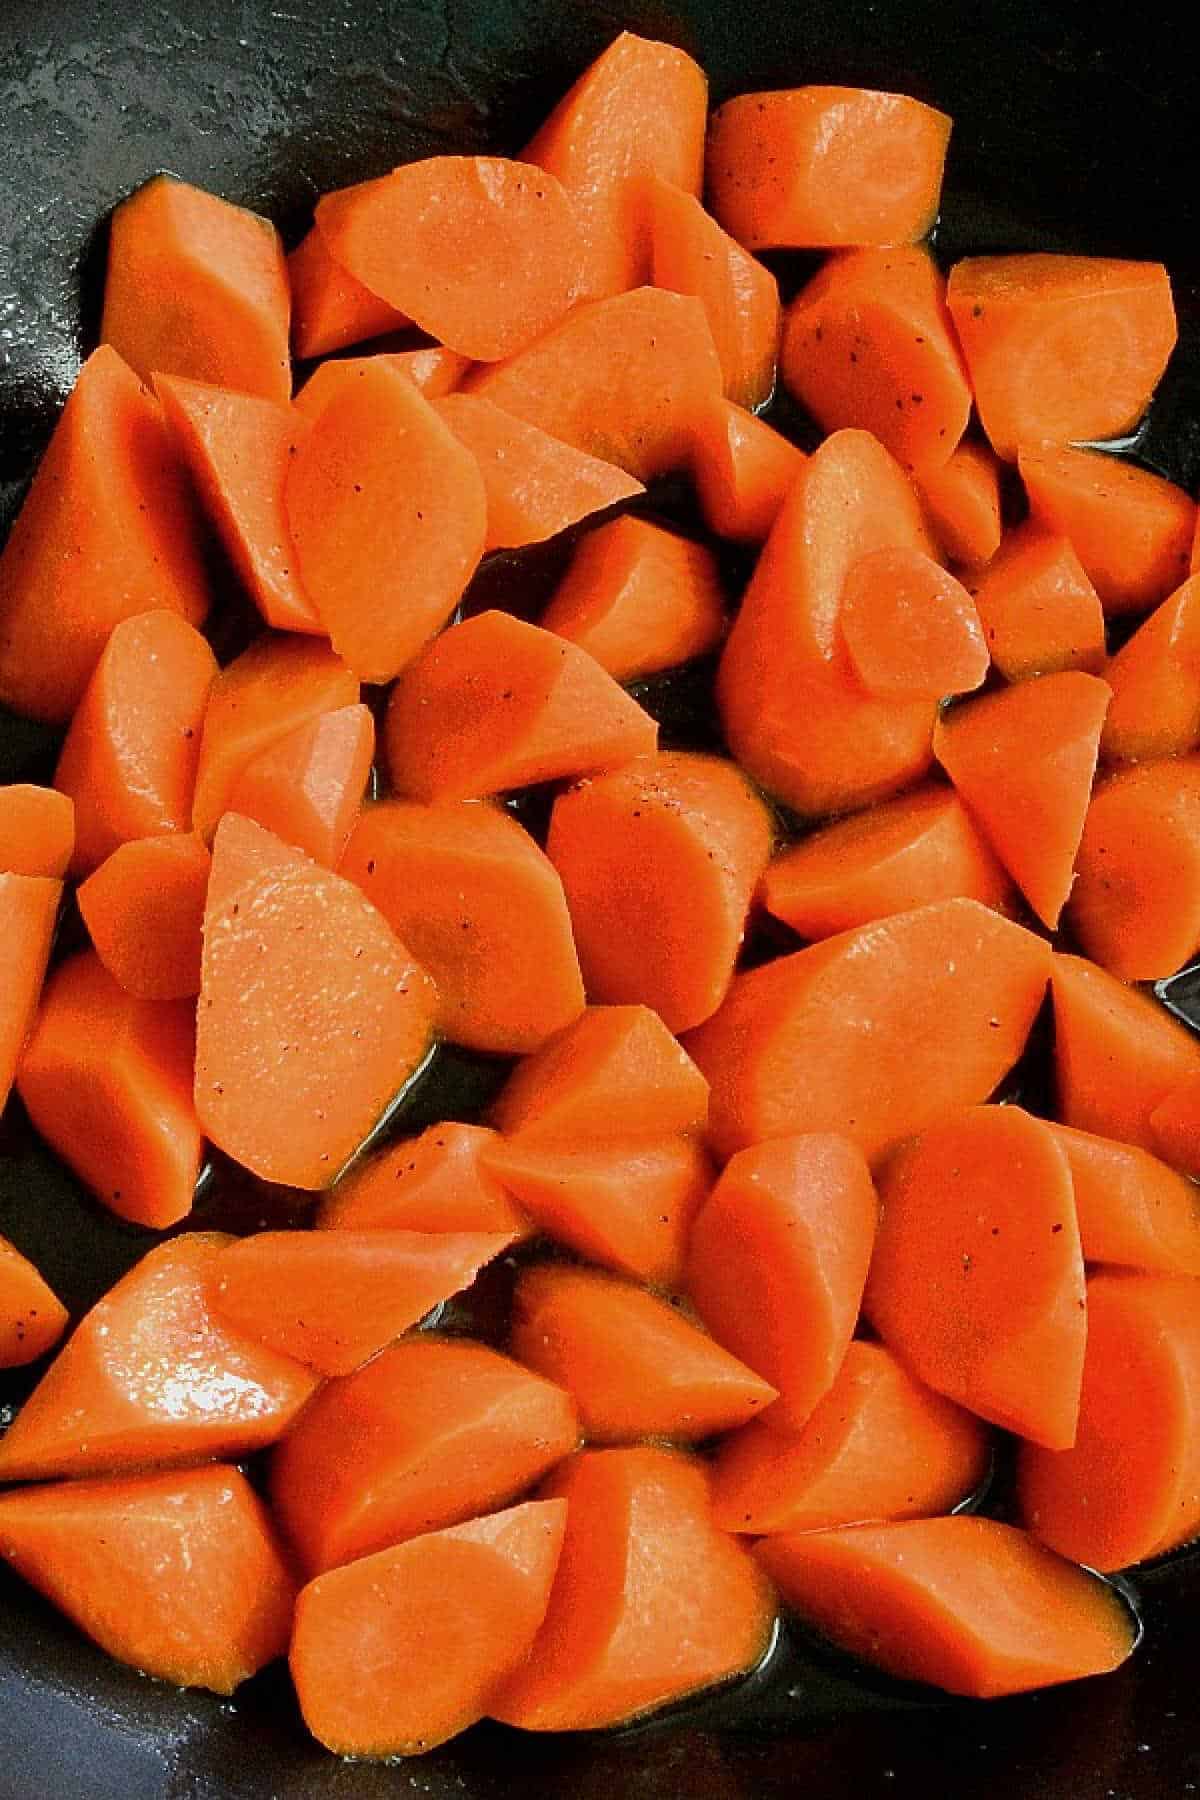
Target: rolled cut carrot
column 1155, row 682
column 435, row 371
column 1175, row 1125
column 28, row 915
column 37, row 831
column 962, row 503
column 1133, row 1210
column 432, row 1183
column 910, row 628
column 144, row 910
column 308, row 787
column 742, row 469
column 1135, row 908
column 32, row 1317
column 1039, row 611
column 330, row 307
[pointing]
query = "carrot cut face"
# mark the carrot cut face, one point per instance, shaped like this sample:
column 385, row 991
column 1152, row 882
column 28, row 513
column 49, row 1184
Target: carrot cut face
column 396, row 1653
column 144, row 910
column 434, row 370
column 432, row 1183
column 742, row 469
column 495, row 703
column 37, row 831
column 151, row 1376
column 106, row 531
column 875, row 1032
column 32, row 1317
column 639, row 599
column 482, row 909
column 1061, row 348
column 1155, row 682
column 966, row 1604
column 330, row 307
column 962, row 504
column 1135, row 908
column 659, row 861
column 1175, row 1125
column 639, row 1534
column 1039, row 611
column 106, row 1078
column 427, row 1434
column 308, row 787
column 911, row 629
column 28, row 915
column 1134, row 1211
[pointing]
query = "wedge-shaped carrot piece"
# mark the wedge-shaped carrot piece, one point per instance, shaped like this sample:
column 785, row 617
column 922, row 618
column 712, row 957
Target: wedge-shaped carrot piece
column 1135, row 908
column 811, row 167
column 977, row 1277
column 880, row 1445
column 1175, row 1125
column 432, row 1183
column 639, row 1533
column 32, row 1317
column 37, row 831
column 911, row 629
column 536, row 486
column 434, row 370
column 1131, row 530
column 483, row 253
column 640, row 109
column 151, row 1376
column 1155, row 682
column 659, row 862
column 1061, row 348
column 794, row 714
column 639, row 599
column 868, row 343
column 962, row 503
column 633, row 1365
column 107, row 531
column 396, row 1653
column 623, row 379
column 1117, row 1053
column 742, row 469
column 144, row 910
column 330, row 307
column 429, row 1433
column 902, row 854
column 966, row 1604
column 1130, row 1486
column 238, row 448
column 875, row 1032
column 106, row 1078
column 482, row 909
column 308, row 787
column 495, row 703
column 265, row 694
column 1023, row 760
column 1039, row 611
column 1133, row 1210
column 28, row 914
column 388, row 513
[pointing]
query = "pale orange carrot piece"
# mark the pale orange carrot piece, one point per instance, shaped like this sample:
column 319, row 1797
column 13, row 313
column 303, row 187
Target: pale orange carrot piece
column 308, row 787
column 330, row 307
column 742, row 469
column 1039, row 611
column 1135, row 908
column 910, row 628
column 37, row 831
column 962, row 503
column 435, row 371
column 436, row 1182
column 1117, row 1053
column 1155, row 682
column 144, row 910
column 1175, row 1125
column 32, row 1317
column 28, row 915
column 1133, row 1210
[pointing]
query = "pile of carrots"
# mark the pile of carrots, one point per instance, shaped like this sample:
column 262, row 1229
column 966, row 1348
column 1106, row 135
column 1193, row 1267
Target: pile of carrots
column 783, row 1268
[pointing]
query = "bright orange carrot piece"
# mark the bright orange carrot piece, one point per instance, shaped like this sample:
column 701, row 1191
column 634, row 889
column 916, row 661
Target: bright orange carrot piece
column 396, row 1653
column 1133, row 1210
column 106, row 531
column 639, row 599
column 1155, row 682
column 1175, row 1125
column 435, row 371
column 742, row 469
column 873, row 1033
column 431, row 1432
column 28, row 914
column 144, row 910
column 150, row 1376
column 178, row 1575
column 32, row 1317
column 659, row 861
column 1135, row 908
column 902, row 854
column 966, row 1604
column 962, row 504
column 910, row 628
column 330, row 307
column 308, row 787
column 1131, row 530
column 1117, row 1052
column 37, row 831
column 1039, row 611
column 1130, row 1486
column 880, row 1445
column 436, row 1182
column 1195, row 563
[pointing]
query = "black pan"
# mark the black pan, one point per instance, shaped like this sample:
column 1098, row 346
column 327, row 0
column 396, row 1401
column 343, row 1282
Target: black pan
column 1069, row 134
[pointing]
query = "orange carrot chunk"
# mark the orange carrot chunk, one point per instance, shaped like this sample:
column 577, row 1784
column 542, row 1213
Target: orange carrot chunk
column 880, row 1445
column 330, row 307
column 1133, row 1210
column 178, row 1575
column 152, row 1377
column 639, row 599
column 37, row 831
column 427, row 1434
column 742, row 470
column 962, row 503
column 1039, row 611
column 911, row 629
column 434, row 370
column 28, row 915
column 966, row 1604
column 436, row 1182
column 32, row 1317
column 1117, row 1053
column 308, row 787
column 1175, row 1125
column 482, row 909
column 1155, row 682
column 144, row 910
column 396, row 1653
column 1135, row 908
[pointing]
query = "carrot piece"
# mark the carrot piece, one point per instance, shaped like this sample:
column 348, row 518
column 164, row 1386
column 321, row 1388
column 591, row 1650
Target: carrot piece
column 632, row 1364
column 1155, row 682
column 396, row 1653
column 32, row 1317
column 308, row 787
column 1061, row 347
column 482, row 909
column 106, row 531
column 967, row 1604
column 903, row 854
column 144, row 910
column 659, row 861
column 495, row 703
column 640, row 1534
column 330, row 307
column 794, row 715
column 962, row 503
column 639, row 599
column 1130, row 529
column 1175, row 1125
column 312, row 1017
column 151, row 1377
column 535, row 485
column 1039, row 611
column 106, row 1079
column 435, row 371
column 1130, row 1486
column 268, row 692
column 623, row 379
column 1023, row 760
column 742, row 470
column 436, row 1182
column 37, row 831
column 640, row 109
column 430, row 1432
column 910, row 628
column 1135, row 908
column 177, row 1574
column 868, row 343
column 880, row 1445
column 1133, row 1210
column 28, row 915
column 198, row 287
column 875, row 1032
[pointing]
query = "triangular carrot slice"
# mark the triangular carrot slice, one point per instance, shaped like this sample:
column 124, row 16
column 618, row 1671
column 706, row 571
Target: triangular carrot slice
column 32, row 1317
column 435, row 1182
column 308, row 787
column 1134, row 1211
column 1117, row 1053
column 742, row 468
column 330, row 307
column 28, row 914
column 1155, row 681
